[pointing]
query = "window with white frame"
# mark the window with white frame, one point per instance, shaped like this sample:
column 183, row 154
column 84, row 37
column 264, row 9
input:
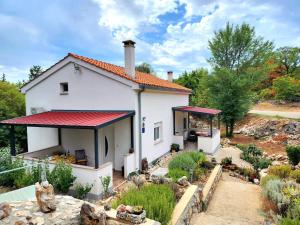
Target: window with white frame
column 157, row 132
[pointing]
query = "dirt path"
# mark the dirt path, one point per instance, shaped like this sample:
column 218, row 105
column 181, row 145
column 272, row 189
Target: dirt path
column 234, row 202
column 285, row 114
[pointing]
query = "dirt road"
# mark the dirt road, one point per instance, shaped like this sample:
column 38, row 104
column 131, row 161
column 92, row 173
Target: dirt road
column 293, row 115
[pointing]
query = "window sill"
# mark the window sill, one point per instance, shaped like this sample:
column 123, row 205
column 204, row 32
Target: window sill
column 64, row 93
column 158, row 141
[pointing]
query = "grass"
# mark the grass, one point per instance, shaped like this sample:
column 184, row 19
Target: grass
column 158, row 201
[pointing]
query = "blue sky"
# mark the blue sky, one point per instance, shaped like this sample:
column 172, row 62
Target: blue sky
column 170, row 34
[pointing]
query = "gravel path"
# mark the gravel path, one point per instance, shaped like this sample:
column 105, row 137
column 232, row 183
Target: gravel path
column 234, row 202
column 293, row 115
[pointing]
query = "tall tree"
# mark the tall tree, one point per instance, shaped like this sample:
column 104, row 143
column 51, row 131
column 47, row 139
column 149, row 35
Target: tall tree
column 34, row 72
column 145, row 68
column 238, row 58
column 195, row 80
column 3, row 77
column 288, row 59
column 12, row 104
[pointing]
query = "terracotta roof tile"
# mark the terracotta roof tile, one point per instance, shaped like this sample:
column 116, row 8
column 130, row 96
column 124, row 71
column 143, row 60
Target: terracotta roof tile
column 141, row 78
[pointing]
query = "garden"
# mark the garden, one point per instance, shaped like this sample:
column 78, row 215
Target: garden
column 158, row 196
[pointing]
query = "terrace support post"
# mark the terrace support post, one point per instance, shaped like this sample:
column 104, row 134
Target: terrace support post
column 173, row 122
column 188, row 126
column 12, row 141
column 211, row 126
column 131, row 132
column 59, row 135
column 96, row 148
column 219, row 121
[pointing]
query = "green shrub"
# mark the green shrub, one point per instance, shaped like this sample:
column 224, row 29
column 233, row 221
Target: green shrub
column 295, row 174
column 177, row 173
column 294, row 210
column 175, row 147
column 293, row 153
column 226, row 161
column 157, row 200
column 24, row 180
column 282, row 171
column 61, row 177
column 267, row 94
column 81, row 191
column 289, row 221
column 261, row 163
column 105, row 181
column 266, row 179
column 198, row 157
column 199, row 171
column 287, row 88
column 182, row 161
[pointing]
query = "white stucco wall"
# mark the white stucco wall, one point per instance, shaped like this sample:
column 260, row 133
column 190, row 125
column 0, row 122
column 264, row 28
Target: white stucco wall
column 88, row 90
column 157, row 107
column 209, row 144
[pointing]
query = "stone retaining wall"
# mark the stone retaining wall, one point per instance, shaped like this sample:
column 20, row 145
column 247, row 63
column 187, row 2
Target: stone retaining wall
column 195, row 200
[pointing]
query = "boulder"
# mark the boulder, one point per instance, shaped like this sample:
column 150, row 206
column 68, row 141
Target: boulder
column 89, row 217
column 45, row 197
column 183, row 181
column 4, row 210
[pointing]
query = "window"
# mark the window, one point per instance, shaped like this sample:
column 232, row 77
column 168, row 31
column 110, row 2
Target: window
column 64, row 88
column 157, row 132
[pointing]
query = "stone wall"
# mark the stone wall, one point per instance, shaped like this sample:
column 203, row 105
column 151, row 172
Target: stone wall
column 66, row 213
column 195, row 200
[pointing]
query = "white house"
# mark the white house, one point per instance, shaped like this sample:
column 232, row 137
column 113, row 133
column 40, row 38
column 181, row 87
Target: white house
column 117, row 115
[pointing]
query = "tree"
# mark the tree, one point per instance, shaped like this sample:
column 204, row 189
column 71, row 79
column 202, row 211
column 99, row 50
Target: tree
column 145, row 68
column 231, row 94
column 288, row 59
column 3, row 78
column 239, row 59
column 196, row 81
column 238, row 49
column 12, row 104
column 34, row 72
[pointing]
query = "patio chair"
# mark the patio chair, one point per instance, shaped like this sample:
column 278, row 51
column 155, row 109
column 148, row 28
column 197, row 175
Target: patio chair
column 80, row 157
column 192, row 136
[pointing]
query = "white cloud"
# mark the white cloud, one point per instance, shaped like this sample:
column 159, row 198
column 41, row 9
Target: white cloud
column 13, row 74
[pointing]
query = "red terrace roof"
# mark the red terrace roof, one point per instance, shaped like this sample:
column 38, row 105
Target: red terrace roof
column 194, row 109
column 79, row 119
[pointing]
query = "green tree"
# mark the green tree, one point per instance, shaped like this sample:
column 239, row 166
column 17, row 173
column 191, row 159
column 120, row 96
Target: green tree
column 145, row 68
column 195, row 80
column 231, row 94
column 239, row 59
column 12, row 104
column 288, row 59
column 34, row 72
column 3, row 78
column 238, row 49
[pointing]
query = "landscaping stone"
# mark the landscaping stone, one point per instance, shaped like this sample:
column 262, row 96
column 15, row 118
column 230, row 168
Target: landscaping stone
column 183, row 181
column 89, row 217
column 45, row 196
column 4, row 210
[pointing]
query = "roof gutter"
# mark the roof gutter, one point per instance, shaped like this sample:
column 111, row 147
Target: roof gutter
column 149, row 87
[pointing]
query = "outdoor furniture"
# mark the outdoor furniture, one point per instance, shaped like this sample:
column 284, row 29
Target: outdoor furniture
column 192, row 136
column 80, row 157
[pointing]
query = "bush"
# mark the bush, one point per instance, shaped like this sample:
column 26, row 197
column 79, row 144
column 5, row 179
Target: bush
column 198, row 157
column 261, row 163
column 266, row 179
column 282, row 171
column 295, row 174
column 175, row 147
column 182, row 161
column 226, row 161
column 294, row 210
column 61, row 177
column 81, row 191
column 287, row 88
column 157, row 200
column 267, row 94
column 289, row 221
column 105, row 181
column 176, row 173
column 293, row 153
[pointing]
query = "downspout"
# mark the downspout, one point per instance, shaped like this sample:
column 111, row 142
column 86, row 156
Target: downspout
column 140, row 124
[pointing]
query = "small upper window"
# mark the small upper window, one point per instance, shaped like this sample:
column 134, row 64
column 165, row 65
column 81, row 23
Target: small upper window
column 64, row 88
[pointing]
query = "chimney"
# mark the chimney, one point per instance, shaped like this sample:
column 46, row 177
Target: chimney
column 170, row 76
column 129, row 58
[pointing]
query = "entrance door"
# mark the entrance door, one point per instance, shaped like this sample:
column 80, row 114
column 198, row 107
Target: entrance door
column 108, row 144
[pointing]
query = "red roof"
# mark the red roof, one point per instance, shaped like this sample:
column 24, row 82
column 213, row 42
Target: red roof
column 141, row 78
column 195, row 109
column 81, row 119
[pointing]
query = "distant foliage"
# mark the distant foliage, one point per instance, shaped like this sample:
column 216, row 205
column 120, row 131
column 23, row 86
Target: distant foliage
column 287, row 88
column 34, row 72
column 145, row 68
column 293, row 153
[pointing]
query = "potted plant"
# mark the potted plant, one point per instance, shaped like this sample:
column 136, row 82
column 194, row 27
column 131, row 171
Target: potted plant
column 175, row 147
